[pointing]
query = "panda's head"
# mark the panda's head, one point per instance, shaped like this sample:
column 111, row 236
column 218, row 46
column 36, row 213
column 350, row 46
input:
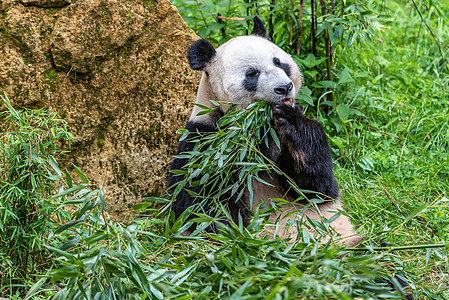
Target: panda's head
column 244, row 70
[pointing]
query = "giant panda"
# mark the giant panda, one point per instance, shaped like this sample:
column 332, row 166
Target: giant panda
column 244, row 70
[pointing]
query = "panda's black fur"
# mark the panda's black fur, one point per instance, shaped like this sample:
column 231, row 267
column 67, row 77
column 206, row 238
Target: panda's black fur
column 304, row 156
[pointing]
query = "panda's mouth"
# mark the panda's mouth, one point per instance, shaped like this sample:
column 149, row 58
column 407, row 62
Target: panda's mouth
column 288, row 101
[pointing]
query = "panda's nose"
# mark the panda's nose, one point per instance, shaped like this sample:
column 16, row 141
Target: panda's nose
column 284, row 89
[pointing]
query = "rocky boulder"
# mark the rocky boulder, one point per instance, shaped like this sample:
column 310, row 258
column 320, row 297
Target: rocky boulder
column 116, row 71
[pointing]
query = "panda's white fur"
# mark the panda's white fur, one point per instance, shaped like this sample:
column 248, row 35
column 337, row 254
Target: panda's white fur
column 224, row 80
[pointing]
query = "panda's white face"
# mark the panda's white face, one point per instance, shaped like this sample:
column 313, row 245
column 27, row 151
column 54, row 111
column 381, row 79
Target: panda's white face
column 243, row 70
column 251, row 68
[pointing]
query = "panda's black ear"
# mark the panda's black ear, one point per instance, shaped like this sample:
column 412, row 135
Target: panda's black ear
column 259, row 28
column 200, row 53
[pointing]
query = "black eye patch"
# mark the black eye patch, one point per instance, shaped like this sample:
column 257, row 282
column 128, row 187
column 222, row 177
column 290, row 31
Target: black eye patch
column 251, row 79
column 285, row 67
column 251, row 72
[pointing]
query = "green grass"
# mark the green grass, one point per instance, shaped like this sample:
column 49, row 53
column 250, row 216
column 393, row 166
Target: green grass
column 394, row 174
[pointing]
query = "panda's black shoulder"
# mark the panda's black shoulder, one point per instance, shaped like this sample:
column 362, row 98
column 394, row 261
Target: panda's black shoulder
column 198, row 126
column 207, row 123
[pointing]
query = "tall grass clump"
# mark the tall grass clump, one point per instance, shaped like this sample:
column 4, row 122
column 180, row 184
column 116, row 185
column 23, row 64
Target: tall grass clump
column 27, row 212
column 35, row 213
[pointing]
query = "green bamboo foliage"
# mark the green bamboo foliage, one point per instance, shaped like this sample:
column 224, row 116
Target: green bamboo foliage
column 27, row 212
column 230, row 159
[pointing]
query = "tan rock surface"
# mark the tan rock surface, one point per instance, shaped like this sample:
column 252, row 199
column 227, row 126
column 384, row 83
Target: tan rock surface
column 116, row 71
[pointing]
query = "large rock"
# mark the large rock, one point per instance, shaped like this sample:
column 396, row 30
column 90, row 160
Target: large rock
column 116, row 71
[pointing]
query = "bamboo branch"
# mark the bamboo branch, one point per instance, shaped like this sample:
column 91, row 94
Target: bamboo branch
column 229, row 18
column 411, row 247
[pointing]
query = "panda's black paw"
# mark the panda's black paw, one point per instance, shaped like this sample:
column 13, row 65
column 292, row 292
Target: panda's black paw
column 286, row 115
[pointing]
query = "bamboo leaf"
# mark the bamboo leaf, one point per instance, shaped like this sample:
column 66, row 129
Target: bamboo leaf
column 81, row 174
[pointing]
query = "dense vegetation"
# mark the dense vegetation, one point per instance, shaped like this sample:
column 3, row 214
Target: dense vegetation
column 388, row 119
column 382, row 98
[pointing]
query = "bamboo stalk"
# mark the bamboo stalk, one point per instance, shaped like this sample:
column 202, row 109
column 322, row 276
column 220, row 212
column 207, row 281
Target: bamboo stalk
column 437, row 41
column 270, row 21
column 290, row 32
column 313, row 27
column 332, row 11
column 223, row 31
column 298, row 45
column 330, row 96
column 247, row 14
